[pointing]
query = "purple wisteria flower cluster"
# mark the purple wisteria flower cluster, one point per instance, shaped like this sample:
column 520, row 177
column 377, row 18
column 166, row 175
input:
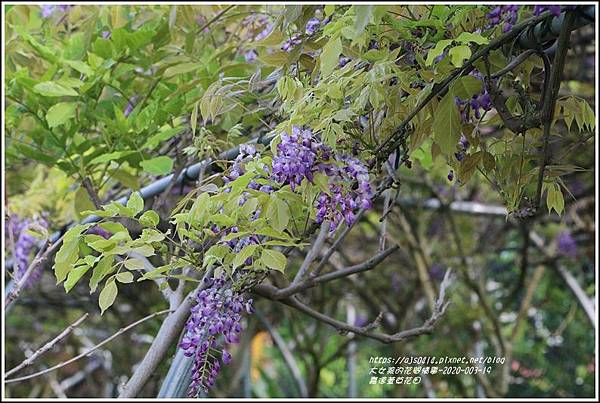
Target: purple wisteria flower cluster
column 261, row 21
column 297, row 156
column 301, row 155
column 463, row 146
column 24, row 244
column 215, row 323
column 554, row 10
column 98, row 230
column 311, row 28
column 246, row 153
column 476, row 103
column 506, row 15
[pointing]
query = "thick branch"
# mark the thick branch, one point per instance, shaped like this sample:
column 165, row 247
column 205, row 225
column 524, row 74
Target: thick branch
column 550, row 98
column 427, row 327
column 279, row 294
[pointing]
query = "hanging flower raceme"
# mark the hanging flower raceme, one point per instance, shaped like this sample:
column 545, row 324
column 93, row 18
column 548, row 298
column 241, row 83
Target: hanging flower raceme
column 300, row 156
column 507, row 15
column 215, row 323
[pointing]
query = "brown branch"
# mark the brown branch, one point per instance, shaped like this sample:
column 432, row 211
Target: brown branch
column 87, row 185
column 585, row 302
column 335, row 245
column 342, row 327
column 389, row 144
column 282, row 293
column 313, row 252
column 549, row 101
column 288, row 357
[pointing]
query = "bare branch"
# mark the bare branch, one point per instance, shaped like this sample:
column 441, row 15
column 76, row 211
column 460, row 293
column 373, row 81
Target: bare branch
column 336, row 243
column 90, row 351
column 41, row 256
column 47, row 346
column 553, row 86
column 168, row 332
column 278, row 294
column 313, row 252
column 342, row 327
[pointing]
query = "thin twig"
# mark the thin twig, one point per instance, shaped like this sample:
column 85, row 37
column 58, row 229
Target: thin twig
column 47, row 346
column 585, row 302
column 336, row 243
column 91, row 350
column 39, row 259
column 89, row 187
column 215, row 18
column 342, row 327
column 282, row 293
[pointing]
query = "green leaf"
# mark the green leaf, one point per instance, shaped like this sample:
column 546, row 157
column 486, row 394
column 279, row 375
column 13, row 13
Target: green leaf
column 111, row 156
column 75, row 49
column 53, row 89
column 113, row 227
column 437, row 51
column 330, row 56
column 151, row 235
column 273, row 259
column 82, row 201
column 363, row 16
column 181, row 69
column 133, row 264
column 214, row 254
column 162, row 136
column 149, row 219
column 465, row 87
column 68, row 253
column 467, row 37
column 135, row 203
column 278, row 213
column 144, row 250
column 469, row 165
column 124, row 277
column 458, row 54
column 101, row 270
column 194, row 118
column 244, row 254
column 107, row 295
column 555, row 199
column 80, row 66
column 158, row 166
column 74, row 276
column 447, row 125
column 60, row 113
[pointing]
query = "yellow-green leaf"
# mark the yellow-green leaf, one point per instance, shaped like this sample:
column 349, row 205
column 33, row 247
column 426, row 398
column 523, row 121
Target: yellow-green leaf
column 273, row 259
column 107, row 295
